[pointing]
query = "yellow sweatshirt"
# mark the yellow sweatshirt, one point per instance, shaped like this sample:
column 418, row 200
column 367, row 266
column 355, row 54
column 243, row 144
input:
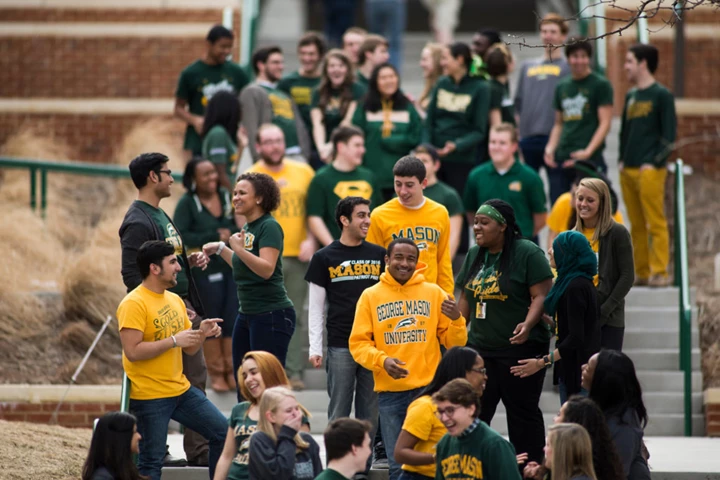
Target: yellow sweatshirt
column 403, row 322
column 428, row 226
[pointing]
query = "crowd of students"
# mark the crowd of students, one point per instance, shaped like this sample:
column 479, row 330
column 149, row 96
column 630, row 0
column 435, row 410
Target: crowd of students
column 330, row 201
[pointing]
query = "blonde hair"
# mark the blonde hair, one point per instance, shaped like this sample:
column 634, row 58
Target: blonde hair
column 605, row 220
column 269, row 402
column 571, row 451
column 436, row 50
column 555, row 19
column 506, row 127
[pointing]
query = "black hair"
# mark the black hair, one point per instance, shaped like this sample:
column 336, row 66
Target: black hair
column 585, row 412
column 342, row 434
column 313, row 38
column 223, row 109
column 262, row 54
column 373, row 98
column 576, row 44
column 512, row 233
column 217, row 32
column 615, row 386
column 459, row 392
column 410, row 166
column 343, row 134
column 496, row 62
column 491, row 34
column 401, row 241
column 427, row 148
column 110, row 447
column 346, row 207
column 456, row 363
column 188, row 179
column 461, row 50
column 265, row 188
column 152, row 252
column 143, row 164
column 649, row 53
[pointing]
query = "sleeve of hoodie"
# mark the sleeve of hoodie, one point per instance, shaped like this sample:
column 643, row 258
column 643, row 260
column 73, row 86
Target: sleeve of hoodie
column 478, row 114
column 627, row 444
column 362, row 342
column 450, row 333
column 444, row 262
column 256, row 110
column 132, row 236
column 272, row 460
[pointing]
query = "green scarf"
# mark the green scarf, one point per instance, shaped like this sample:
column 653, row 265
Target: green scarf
column 574, row 258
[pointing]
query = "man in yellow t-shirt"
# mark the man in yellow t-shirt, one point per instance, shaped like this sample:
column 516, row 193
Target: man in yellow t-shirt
column 155, row 331
column 414, row 216
column 299, row 245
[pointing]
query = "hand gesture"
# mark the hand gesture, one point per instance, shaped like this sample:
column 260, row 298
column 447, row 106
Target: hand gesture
column 294, row 421
column 450, row 308
column 199, row 260
column 522, row 458
column 580, row 154
column 210, row 328
column 531, row 470
column 393, row 368
column 549, row 158
column 189, row 338
column 548, row 320
column 197, row 124
column 211, row 248
column 316, row 361
column 237, row 241
column 527, row 368
column 307, row 249
column 521, row 332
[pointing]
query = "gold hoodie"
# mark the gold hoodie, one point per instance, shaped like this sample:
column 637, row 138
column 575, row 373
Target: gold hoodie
column 403, row 322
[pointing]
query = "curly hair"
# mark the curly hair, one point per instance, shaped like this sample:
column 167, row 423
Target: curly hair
column 266, row 188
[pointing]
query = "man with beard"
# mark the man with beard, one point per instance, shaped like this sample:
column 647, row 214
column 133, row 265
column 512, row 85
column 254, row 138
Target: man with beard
column 293, row 179
column 263, row 102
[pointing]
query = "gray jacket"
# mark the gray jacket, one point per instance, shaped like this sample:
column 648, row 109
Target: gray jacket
column 617, row 275
column 283, row 460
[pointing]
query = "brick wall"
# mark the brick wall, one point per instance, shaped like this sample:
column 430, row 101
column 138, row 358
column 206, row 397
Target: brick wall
column 703, row 155
column 75, row 414
column 210, row 15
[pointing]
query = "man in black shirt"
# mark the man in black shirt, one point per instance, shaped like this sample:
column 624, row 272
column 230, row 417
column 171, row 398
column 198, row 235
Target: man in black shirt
column 340, row 272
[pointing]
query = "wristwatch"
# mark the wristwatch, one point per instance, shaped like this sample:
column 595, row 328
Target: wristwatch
column 546, row 361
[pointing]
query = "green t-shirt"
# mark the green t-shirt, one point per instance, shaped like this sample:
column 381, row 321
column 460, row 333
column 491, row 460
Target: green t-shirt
column 198, row 83
column 257, row 295
column 578, row 101
column 520, row 186
column 362, row 80
column 330, row 185
column 446, row 196
column 481, row 453
column 500, row 98
column 283, row 114
column 330, row 474
column 172, row 236
column 243, row 426
column 505, row 306
column 199, row 227
column 220, row 149
column 300, row 88
column 331, row 115
column 649, row 125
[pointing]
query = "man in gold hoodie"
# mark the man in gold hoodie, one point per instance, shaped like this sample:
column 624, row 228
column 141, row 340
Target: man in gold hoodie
column 399, row 326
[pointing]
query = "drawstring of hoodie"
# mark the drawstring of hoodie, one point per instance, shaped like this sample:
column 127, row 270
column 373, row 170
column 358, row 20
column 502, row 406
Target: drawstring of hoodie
column 387, row 126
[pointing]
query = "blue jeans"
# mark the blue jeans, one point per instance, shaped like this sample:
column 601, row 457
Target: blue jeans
column 393, row 408
column 219, row 297
column 345, row 378
column 269, row 331
column 193, row 410
column 339, row 16
column 388, row 18
column 533, row 150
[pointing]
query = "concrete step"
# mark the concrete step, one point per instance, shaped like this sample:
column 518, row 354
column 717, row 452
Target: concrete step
column 654, row 317
column 667, row 380
column 655, row 338
column 658, row 297
column 660, row 358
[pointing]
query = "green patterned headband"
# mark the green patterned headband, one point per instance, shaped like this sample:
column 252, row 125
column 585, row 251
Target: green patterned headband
column 491, row 212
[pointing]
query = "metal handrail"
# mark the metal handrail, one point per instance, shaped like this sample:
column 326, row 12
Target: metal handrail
column 74, row 168
column 682, row 282
column 125, row 394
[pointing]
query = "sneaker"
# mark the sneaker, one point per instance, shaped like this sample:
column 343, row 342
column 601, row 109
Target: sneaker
column 170, row 461
column 659, row 281
column 297, row 384
column 380, row 464
column 640, row 282
column 380, row 460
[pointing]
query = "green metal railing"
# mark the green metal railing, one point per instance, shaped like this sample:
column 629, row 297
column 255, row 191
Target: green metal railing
column 125, row 394
column 42, row 167
column 683, row 284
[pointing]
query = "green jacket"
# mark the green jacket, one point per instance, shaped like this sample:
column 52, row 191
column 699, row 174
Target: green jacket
column 381, row 152
column 458, row 112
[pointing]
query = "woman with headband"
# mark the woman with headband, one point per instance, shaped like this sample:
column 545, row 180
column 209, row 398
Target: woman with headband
column 505, row 280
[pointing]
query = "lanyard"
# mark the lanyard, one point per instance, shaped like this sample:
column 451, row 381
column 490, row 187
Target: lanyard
column 487, row 270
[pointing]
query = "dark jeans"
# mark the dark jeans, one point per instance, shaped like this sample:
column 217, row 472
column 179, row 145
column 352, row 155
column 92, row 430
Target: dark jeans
column 339, row 16
column 195, row 370
column 611, row 338
column 192, row 409
column 405, row 475
column 269, row 331
column 219, row 296
column 388, row 18
column 533, row 150
column 393, row 408
column 521, row 397
column 456, row 174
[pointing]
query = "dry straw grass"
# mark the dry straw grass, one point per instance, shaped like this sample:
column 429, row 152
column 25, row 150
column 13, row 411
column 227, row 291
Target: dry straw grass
column 41, row 451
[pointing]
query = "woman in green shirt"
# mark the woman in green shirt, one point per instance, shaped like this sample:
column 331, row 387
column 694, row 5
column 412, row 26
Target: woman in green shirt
column 505, row 279
column 220, row 135
column 204, row 214
column 266, row 320
column 391, row 125
column 334, row 100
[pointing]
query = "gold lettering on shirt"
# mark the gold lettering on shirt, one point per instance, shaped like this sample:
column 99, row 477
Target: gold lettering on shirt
column 487, row 287
column 453, row 102
column 292, row 204
column 173, row 238
column 301, row 95
column 249, row 240
column 282, row 106
column 167, row 323
column 638, row 109
column 355, row 188
column 420, row 235
column 461, row 467
column 544, row 71
column 355, row 270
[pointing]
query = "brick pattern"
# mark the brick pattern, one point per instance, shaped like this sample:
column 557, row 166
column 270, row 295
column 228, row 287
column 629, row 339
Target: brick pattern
column 701, row 155
column 210, row 15
column 75, row 415
column 92, row 137
column 712, row 420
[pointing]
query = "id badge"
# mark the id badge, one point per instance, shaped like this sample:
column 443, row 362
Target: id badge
column 480, row 310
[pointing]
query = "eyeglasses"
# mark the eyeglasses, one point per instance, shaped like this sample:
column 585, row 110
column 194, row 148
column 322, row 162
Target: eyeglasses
column 169, row 172
column 278, row 141
column 449, row 412
column 481, row 371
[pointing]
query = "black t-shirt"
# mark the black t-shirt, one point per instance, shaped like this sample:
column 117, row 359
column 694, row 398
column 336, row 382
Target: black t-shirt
column 344, row 272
